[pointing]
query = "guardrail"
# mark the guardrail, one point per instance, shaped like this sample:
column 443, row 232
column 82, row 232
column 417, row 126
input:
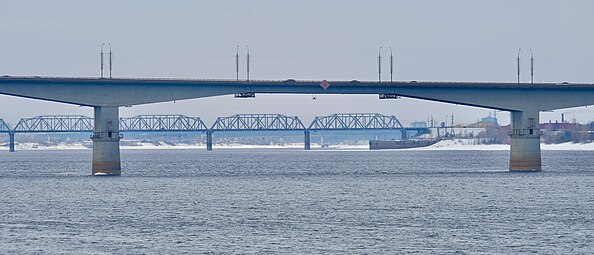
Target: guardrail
column 410, row 82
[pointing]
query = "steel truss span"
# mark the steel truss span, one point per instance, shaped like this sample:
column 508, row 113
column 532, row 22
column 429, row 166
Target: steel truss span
column 258, row 122
column 179, row 123
column 55, row 123
column 4, row 127
column 355, row 121
column 77, row 123
column 171, row 123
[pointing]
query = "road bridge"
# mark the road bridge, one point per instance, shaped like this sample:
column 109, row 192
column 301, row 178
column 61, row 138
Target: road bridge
column 524, row 101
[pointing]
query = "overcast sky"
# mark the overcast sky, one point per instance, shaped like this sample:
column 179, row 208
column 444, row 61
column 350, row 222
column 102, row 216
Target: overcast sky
column 335, row 40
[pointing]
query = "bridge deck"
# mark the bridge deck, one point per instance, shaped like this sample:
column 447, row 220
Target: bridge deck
column 352, row 83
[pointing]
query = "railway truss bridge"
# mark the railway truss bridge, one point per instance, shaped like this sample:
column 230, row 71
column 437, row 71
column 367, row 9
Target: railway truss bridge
column 235, row 123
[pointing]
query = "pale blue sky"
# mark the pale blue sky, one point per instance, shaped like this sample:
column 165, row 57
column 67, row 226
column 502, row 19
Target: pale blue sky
column 432, row 40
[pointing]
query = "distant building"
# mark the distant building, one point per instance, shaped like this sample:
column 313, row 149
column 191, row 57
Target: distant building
column 486, row 122
column 489, row 121
column 418, row 124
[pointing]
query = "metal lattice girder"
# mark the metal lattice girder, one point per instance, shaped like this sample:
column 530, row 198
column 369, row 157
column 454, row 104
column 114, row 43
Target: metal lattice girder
column 355, row 121
column 161, row 123
column 55, row 123
column 4, row 127
column 256, row 122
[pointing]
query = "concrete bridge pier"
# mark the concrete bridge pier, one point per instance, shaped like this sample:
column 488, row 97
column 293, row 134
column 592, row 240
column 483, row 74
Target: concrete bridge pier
column 11, row 136
column 525, row 142
column 307, row 140
column 209, row 140
column 106, row 141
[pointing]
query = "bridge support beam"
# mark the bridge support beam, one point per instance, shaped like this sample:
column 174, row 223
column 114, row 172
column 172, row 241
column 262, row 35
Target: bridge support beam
column 209, row 140
column 307, row 140
column 106, row 141
column 11, row 136
column 525, row 142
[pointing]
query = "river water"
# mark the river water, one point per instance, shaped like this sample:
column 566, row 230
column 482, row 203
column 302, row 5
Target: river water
column 296, row 202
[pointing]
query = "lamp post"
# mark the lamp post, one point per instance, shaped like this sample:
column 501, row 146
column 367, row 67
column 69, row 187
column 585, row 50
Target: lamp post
column 110, row 60
column 531, row 67
column 248, row 63
column 101, row 55
column 391, row 66
column 379, row 64
column 237, row 64
column 518, row 60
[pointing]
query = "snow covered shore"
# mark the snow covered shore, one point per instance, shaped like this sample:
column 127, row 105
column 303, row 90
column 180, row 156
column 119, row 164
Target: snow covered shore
column 456, row 144
column 461, row 144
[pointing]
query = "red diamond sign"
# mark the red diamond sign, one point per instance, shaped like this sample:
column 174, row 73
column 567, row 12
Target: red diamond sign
column 324, row 84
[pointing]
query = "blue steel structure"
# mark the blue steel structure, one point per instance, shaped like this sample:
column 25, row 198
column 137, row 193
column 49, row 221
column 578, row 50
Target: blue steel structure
column 84, row 124
column 257, row 122
column 79, row 123
column 355, row 121
column 4, row 127
column 55, row 124
column 182, row 123
column 165, row 123
column 358, row 121
column 52, row 124
column 254, row 122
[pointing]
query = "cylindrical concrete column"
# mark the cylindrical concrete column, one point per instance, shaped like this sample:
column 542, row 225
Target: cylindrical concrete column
column 307, row 140
column 106, row 141
column 209, row 140
column 525, row 142
column 11, row 135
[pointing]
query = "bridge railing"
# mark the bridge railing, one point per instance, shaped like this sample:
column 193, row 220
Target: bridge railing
column 258, row 122
column 385, row 83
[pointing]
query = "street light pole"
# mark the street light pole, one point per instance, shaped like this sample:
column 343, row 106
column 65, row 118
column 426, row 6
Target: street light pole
column 110, row 60
column 518, row 59
column 379, row 64
column 391, row 66
column 531, row 67
column 237, row 64
column 101, row 54
column 248, row 63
